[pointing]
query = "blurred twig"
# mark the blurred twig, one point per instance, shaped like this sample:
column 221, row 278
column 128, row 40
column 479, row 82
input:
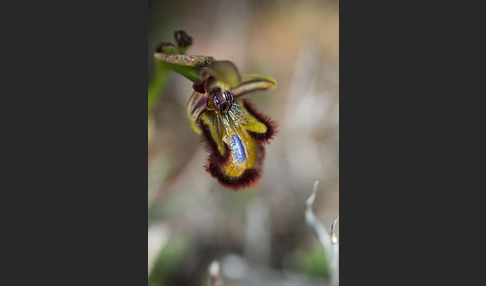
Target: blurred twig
column 214, row 276
column 157, row 238
column 329, row 245
column 322, row 235
column 335, row 255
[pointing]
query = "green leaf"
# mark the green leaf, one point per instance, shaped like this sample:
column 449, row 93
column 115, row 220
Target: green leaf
column 191, row 73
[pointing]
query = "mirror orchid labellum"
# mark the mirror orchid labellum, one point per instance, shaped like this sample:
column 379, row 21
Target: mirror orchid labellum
column 233, row 130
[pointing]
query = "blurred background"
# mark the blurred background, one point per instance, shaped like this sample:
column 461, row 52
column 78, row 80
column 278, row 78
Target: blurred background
column 259, row 236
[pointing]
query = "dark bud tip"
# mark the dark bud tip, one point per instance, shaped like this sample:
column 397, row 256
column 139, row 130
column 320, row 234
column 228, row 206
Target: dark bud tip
column 165, row 48
column 183, row 39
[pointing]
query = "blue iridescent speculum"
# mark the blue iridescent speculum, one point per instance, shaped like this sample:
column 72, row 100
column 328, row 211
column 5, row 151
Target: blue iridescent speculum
column 238, row 149
column 235, row 132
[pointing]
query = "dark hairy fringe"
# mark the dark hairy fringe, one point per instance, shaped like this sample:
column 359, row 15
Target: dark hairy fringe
column 212, row 147
column 271, row 125
column 249, row 179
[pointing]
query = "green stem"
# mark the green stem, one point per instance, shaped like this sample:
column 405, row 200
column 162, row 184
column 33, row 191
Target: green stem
column 156, row 85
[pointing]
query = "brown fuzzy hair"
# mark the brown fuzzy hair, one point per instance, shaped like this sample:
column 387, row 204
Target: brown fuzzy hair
column 271, row 125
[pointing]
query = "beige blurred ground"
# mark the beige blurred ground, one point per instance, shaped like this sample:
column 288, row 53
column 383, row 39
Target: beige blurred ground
column 295, row 42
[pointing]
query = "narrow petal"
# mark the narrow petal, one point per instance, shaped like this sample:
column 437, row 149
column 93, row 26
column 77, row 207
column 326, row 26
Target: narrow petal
column 254, row 82
column 195, row 106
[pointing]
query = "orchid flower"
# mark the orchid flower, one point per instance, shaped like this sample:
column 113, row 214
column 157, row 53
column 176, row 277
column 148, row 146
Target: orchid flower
column 234, row 131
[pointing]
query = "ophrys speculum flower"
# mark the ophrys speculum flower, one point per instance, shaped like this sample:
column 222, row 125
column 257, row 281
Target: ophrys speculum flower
column 234, row 130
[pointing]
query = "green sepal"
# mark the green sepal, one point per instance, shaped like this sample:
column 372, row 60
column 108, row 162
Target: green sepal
column 191, row 73
column 224, row 72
